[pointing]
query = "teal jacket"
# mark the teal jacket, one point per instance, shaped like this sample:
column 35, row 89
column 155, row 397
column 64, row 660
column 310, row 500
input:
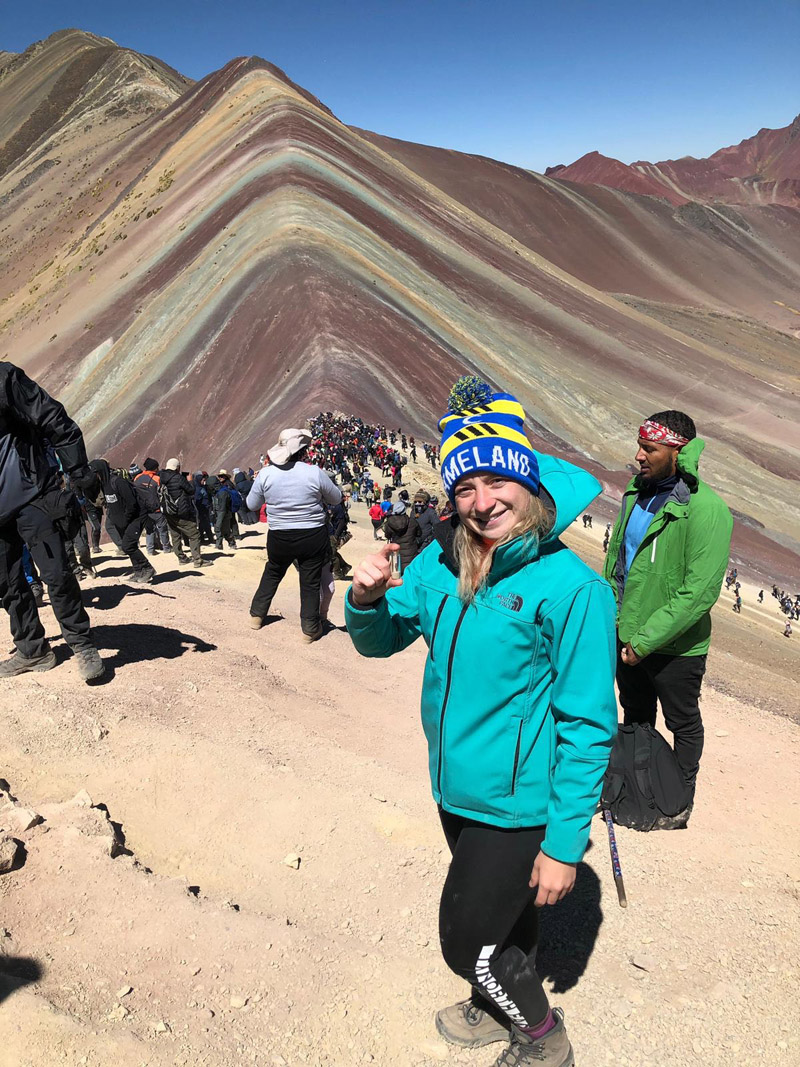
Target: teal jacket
column 676, row 575
column 518, row 701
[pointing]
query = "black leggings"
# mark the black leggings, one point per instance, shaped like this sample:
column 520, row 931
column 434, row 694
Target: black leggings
column 488, row 923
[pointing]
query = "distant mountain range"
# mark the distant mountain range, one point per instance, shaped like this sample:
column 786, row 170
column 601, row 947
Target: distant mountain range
column 191, row 266
column 764, row 169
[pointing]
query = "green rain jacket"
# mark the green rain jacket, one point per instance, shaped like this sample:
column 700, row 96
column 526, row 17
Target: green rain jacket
column 518, row 701
column 664, row 604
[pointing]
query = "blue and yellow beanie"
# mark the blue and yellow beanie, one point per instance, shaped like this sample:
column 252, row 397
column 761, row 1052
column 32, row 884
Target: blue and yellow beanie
column 484, row 431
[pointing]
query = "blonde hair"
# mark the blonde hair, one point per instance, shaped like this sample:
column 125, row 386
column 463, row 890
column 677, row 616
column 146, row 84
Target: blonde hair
column 474, row 562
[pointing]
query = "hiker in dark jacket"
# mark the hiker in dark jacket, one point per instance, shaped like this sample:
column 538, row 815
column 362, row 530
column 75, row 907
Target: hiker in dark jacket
column 177, row 500
column 222, row 511
column 33, row 511
column 403, row 529
column 237, row 503
column 147, row 484
column 337, row 526
column 426, row 517
column 243, row 484
column 125, row 512
column 202, row 504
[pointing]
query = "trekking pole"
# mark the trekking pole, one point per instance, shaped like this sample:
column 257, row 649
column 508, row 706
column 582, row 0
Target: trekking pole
column 616, row 867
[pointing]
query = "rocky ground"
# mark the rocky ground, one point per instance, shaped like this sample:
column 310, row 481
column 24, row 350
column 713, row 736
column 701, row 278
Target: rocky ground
column 237, row 860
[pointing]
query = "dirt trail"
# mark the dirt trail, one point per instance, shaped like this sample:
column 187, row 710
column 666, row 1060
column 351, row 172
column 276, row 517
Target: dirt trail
column 218, row 751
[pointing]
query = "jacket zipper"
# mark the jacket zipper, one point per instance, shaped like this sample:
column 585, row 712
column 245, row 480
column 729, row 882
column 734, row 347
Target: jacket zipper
column 516, row 760
column 447, row 694
column 653, row 553
column 436, row 624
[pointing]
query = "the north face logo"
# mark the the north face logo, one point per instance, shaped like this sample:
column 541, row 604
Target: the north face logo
column 512, row 601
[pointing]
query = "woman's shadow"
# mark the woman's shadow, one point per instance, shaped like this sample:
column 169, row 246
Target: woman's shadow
column 568, row 932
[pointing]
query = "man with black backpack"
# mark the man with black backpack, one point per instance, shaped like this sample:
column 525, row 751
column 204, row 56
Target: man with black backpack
column 666, row 561
column 148, row 484
column 177, row 505
column 35, row 511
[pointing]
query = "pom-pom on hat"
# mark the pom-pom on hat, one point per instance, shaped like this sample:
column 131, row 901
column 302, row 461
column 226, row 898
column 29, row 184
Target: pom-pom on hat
column 468, row 391
column 486, row 435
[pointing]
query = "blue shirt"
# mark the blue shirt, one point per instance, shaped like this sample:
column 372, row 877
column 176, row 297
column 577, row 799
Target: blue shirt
column 642, row 514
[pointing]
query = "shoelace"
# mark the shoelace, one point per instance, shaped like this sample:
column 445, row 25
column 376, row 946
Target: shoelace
column 517, row 1054
column 473, row 1014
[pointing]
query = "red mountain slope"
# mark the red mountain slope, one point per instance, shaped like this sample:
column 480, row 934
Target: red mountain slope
column 764, row 169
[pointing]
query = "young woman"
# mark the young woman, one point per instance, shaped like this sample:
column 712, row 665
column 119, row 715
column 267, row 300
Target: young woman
column 518, row 708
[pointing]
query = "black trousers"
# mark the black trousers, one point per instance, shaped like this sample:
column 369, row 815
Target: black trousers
column 310, row 549
column 129, row 541
column 488, row 923
column 674, row 682
column 46, row 545
column 204, row 526
column 95, row 517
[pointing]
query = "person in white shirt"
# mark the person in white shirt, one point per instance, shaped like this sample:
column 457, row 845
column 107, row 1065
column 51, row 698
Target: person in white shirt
column 295, row 493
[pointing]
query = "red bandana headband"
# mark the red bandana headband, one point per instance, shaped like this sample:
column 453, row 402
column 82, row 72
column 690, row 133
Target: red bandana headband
column 654, row 431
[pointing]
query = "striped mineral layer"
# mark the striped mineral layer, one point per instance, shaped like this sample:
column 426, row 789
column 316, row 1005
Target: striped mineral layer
column 191, row 266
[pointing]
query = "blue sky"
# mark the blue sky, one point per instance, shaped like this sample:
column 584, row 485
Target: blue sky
column 531, row 83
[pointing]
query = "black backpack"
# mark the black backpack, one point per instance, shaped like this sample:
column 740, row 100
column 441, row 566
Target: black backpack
column 169, row 505
column 643, row 780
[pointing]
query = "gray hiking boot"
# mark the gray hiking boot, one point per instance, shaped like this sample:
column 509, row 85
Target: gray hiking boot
column 90, row 666
column 314, row 635
column 468, row 1025
column 552, row 1050
column 143, row 576
column 19, row 664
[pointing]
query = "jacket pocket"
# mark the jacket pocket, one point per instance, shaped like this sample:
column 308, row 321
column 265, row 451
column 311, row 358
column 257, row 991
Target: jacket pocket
column 436, row 625
column 515, row 765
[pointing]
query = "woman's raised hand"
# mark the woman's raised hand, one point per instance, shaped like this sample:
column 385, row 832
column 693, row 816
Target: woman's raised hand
column 373, row 576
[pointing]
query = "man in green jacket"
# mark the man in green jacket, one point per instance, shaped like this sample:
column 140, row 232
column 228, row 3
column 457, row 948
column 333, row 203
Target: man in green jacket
column 666, row 561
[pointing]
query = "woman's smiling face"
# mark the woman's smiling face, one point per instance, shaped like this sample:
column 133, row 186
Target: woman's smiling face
column 490, row 505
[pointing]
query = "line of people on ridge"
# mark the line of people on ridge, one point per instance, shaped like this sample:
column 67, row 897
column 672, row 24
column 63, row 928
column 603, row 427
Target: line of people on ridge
column 54, row 504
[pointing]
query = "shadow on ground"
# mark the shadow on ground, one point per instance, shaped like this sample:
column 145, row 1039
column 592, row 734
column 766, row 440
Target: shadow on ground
column 107, row 597
column 568, row 932
column 135, row 642
column 17, row 972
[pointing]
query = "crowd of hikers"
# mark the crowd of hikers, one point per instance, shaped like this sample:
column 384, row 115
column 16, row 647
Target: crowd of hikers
column 524, row 639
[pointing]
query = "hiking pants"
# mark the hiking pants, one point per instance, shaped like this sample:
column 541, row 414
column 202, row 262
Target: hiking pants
column 156, row 523
column 115, row 536
column 204, row 524
column 488, row 923
column 326, row 590
column 223, row 528
column 179, row 528
column 129, row 542
column 95, row 517
column 673, row 681
column 35, row 528
column 78, row 552
column 311, row 550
